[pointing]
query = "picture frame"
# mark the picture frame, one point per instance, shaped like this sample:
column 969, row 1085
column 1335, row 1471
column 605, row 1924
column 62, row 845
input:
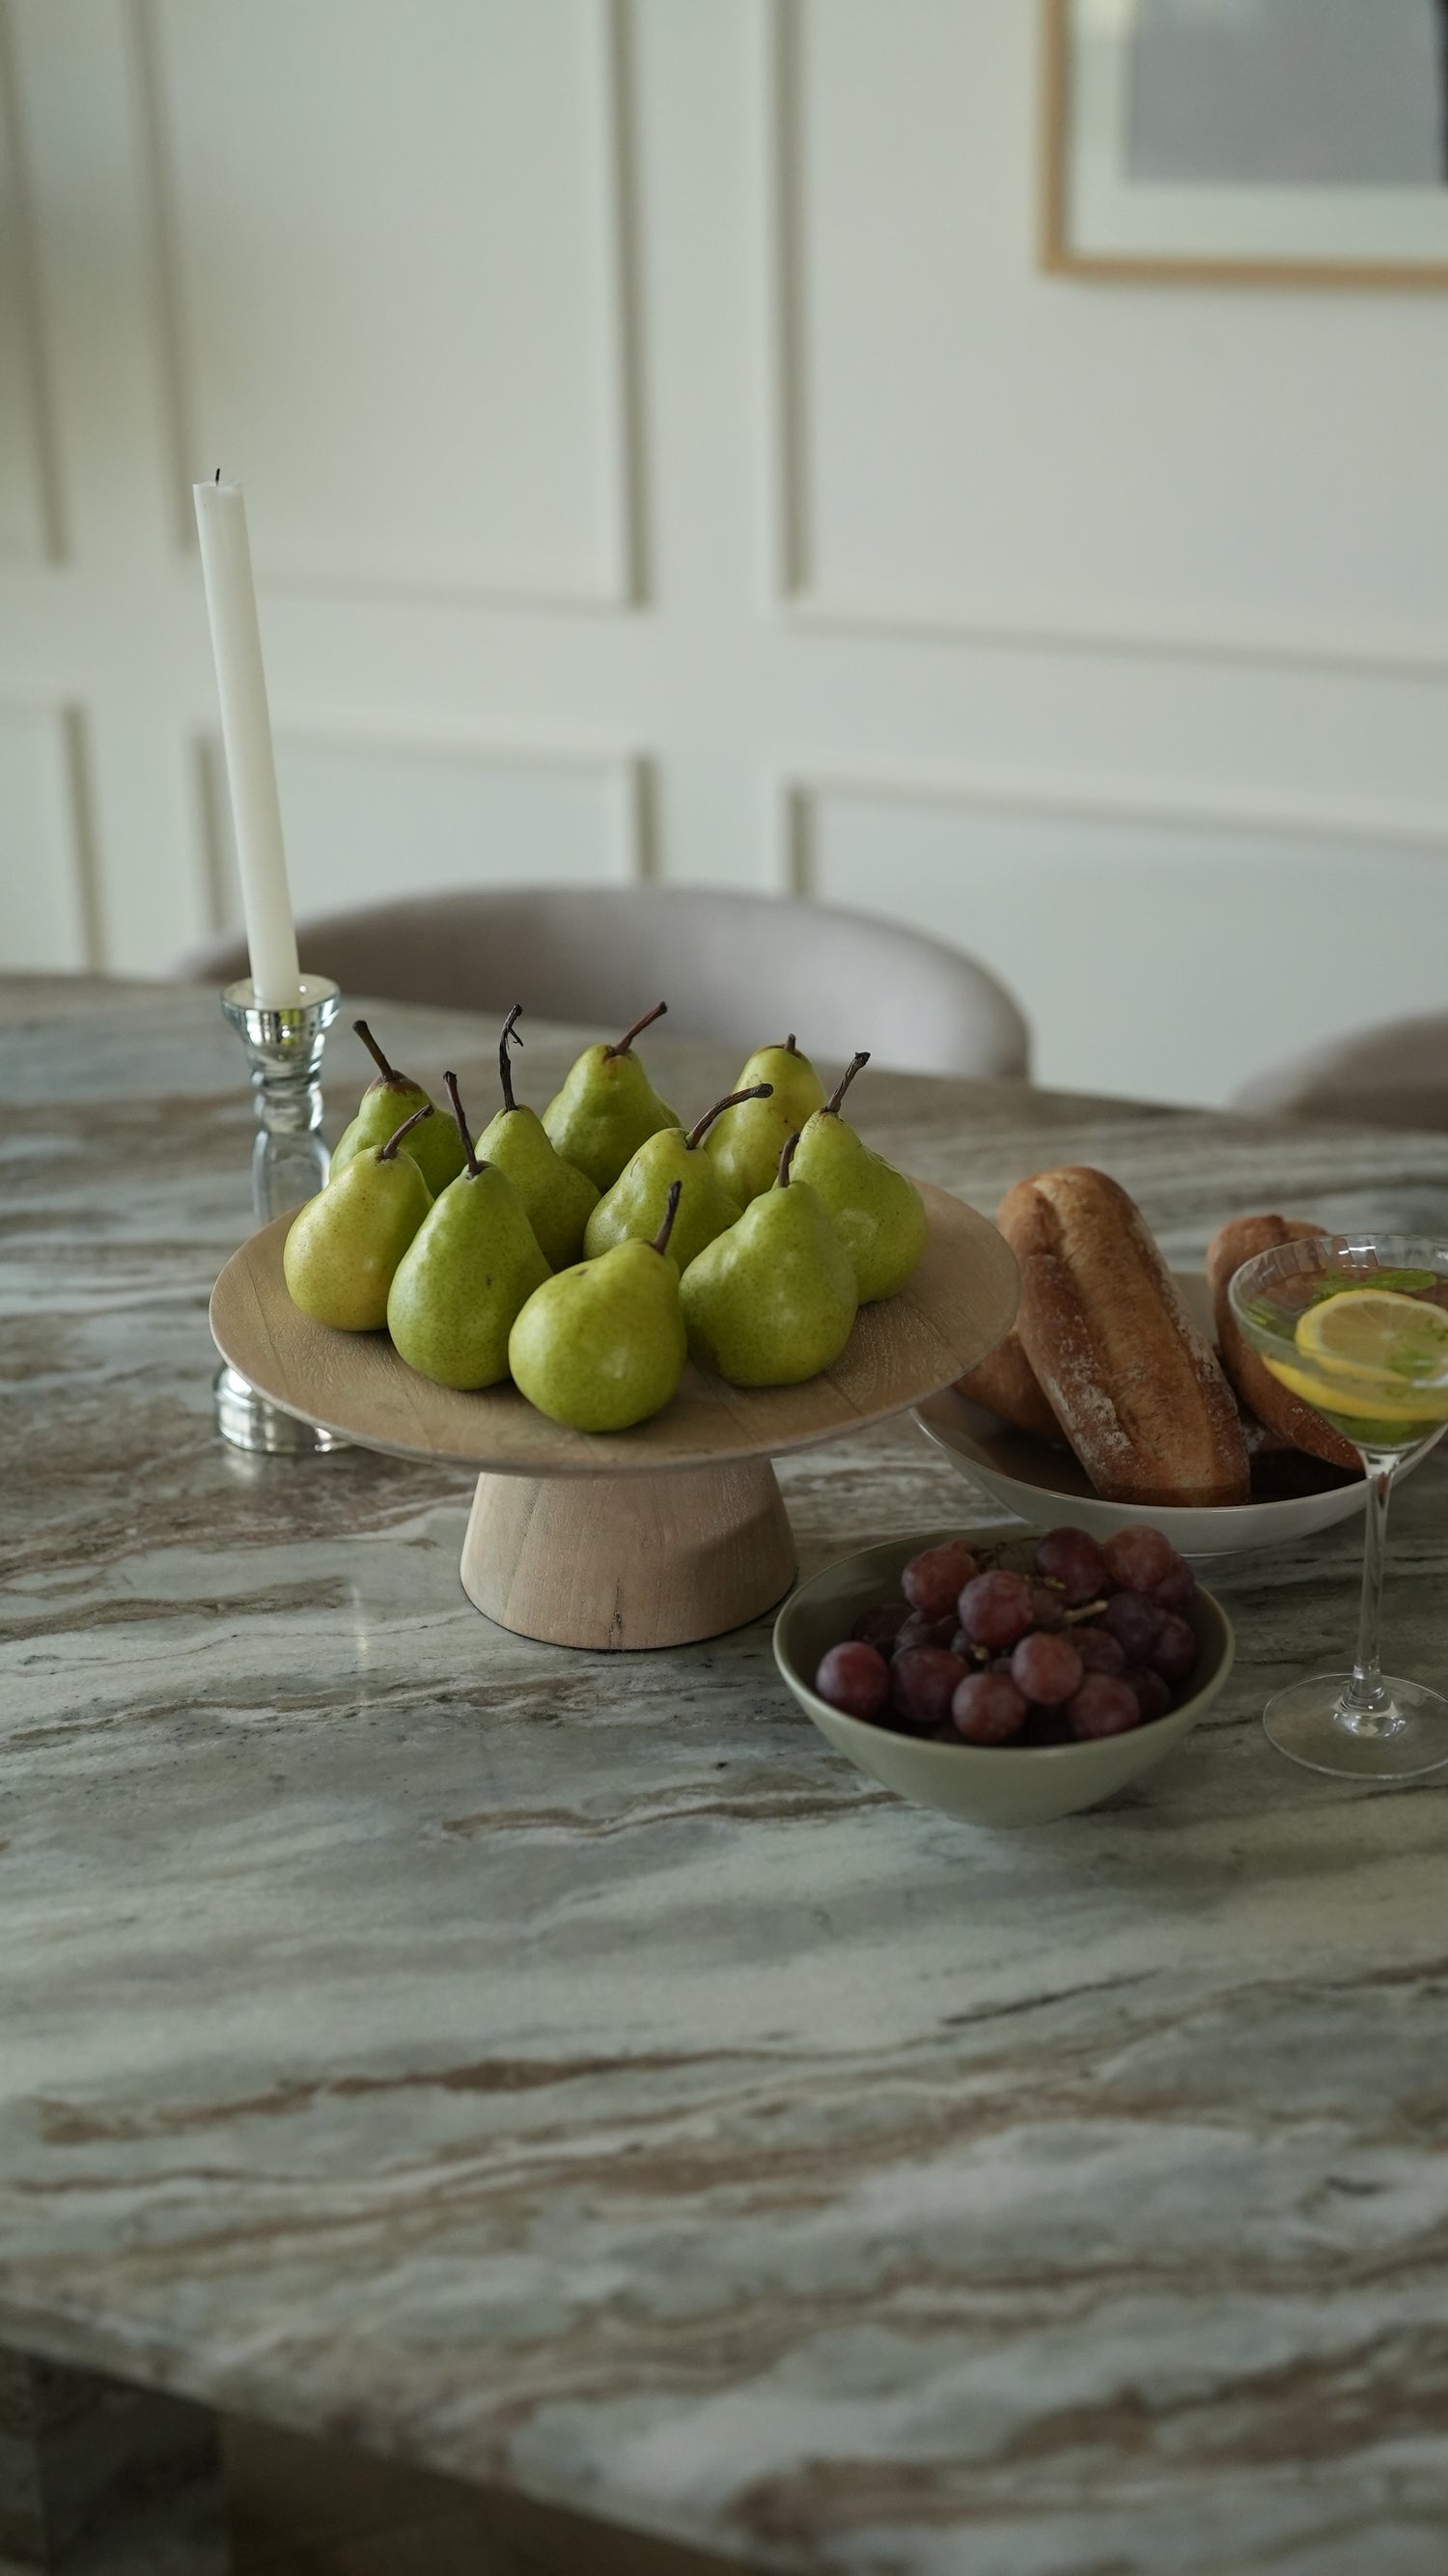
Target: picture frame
column 1157, row 145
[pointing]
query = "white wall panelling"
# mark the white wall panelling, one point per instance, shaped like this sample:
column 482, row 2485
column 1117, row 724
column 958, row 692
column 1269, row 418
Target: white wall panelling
column 983, row 447
column 641, row 404
column 409, row 220
column 44, row 859
column 369, row 821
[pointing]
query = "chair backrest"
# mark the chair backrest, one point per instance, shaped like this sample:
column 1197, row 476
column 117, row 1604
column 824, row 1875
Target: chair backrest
column 736, row 967
column 1395, row 1075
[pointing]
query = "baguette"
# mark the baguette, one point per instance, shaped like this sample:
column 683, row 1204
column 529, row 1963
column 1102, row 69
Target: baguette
column 1136, row 1388
column 1007, row 1385
column 1239, row 1240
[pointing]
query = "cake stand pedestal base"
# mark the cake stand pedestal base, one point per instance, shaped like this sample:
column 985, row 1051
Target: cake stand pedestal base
column 627, row 1561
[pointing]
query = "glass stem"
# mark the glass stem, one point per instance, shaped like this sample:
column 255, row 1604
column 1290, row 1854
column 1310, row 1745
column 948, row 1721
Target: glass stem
column 1365, row 1702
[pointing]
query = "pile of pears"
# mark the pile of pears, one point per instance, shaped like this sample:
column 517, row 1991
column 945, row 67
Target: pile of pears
column 587, row 1254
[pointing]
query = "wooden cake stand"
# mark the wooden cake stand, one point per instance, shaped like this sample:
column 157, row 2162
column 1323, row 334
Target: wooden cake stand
column 650, row 1537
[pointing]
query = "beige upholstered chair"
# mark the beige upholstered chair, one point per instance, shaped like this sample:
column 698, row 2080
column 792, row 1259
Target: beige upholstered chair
column 1392, row 1076
column 741, row 968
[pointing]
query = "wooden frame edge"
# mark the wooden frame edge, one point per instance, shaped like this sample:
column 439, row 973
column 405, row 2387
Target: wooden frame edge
column 1056, row 258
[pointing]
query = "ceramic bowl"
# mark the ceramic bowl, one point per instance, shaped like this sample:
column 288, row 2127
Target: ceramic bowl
column 982, row 1784
column 1050, row 1486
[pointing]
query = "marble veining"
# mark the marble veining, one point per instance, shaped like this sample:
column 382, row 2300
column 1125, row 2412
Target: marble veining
column 564, row 2072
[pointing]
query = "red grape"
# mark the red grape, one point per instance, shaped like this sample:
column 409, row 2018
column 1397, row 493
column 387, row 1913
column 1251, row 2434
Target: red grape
column 854, row 1677
column 918, row 1630
column 988, row 1709
column 882, row 1625
column 1046, row 1670
column 1135, row 1622
column 1104, row 1705
column 1138, row 1558
column 934, row 1580
column 1153, row 1697
column 1175, row 1589
column 997, row 1608
column 1048, row 1608
column 1072, row 1558
column 1099, row 1651
column 923, row 1682
column 1175, row 1650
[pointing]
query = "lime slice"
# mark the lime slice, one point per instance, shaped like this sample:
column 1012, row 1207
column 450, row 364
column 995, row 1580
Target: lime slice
column 1375, row 1333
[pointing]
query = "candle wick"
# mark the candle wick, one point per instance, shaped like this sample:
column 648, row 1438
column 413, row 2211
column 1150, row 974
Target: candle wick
column 218, row 474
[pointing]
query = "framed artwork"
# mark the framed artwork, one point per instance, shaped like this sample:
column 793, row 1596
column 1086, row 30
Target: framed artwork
column 1297, row 141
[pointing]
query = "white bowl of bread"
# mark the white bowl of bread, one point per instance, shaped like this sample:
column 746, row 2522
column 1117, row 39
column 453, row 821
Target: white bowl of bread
column 1126, row 1393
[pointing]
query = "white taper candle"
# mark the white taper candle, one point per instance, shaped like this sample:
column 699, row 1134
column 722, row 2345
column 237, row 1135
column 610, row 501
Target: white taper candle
column 246, row 731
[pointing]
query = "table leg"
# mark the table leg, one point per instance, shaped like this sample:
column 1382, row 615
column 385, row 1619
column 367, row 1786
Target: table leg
column 98, row 2479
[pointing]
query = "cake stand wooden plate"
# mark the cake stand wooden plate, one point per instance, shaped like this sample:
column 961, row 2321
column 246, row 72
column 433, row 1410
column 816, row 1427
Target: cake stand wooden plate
column 674, row 1530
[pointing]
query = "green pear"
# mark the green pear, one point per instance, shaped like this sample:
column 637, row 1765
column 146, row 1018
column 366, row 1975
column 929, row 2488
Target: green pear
column 436, row 1151
column 877, row 1213
column 602, row 1346
column 792, row 1078
column 558, row 1197
column 606, row 1108
column 636, row 1201
column 772, row 1301
column 473, row 1262
column 343, row 1247
column 746, row 1146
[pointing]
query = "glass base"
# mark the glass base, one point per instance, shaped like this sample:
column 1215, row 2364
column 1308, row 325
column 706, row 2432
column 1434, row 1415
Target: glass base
column 248, row 1421
column 1409, row 1736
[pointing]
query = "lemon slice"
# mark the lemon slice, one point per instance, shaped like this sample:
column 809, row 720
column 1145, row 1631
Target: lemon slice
column 1375, row 1333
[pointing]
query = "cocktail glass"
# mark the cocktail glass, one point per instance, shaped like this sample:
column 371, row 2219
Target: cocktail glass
column 1380, row 1377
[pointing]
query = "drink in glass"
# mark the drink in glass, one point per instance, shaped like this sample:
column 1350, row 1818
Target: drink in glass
column 1358, row 1328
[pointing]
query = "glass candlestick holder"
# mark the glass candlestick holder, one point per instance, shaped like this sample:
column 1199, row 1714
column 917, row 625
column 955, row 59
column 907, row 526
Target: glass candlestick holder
column 289, row 1163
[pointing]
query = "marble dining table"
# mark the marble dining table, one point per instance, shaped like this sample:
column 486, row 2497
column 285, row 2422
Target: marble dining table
column 561, row 2072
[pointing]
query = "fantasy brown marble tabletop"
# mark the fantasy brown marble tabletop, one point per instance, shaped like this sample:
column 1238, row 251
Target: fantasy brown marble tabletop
column 563, row 2071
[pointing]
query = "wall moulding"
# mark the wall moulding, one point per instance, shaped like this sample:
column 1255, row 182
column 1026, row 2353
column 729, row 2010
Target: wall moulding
column 19, row 239
column 613, row 241
column 443, row 794
column 51, row 905
column 801, row 792
column 803, row 602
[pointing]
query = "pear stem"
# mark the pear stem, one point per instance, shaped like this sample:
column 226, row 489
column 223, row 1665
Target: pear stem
column 661, row 1239
column 389, row 1072
column 504, row 1067
column 626, row 1041
column 756, row 1091
column 856, row 1065
column 386, row 1152
column 781, row 1181
column 450, row 1082
column 789, row 1045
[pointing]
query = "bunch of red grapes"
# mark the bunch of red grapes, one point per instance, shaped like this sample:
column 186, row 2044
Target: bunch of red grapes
column 1070, row 1642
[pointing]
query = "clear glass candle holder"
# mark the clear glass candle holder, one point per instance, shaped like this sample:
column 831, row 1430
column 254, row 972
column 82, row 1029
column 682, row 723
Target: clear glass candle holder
column 289, row 1163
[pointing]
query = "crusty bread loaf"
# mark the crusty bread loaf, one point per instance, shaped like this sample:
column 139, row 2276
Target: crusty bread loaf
column 1135, row 1387
column 1239, row 1240
column 1006, row 1384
